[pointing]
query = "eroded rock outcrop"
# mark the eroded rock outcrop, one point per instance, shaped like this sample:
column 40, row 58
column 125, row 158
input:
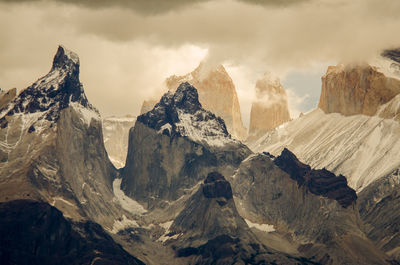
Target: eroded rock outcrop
column 217, row 93
column 270, row 108
column 173, row 146
column 356, row 89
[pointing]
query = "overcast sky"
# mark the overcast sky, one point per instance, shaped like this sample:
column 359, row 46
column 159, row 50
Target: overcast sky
column 127, row 48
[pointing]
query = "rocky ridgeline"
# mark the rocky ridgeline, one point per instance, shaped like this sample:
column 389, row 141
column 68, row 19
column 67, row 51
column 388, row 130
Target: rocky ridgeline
column 318, row 181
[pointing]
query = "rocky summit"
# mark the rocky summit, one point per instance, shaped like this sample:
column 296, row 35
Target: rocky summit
column 212, row 84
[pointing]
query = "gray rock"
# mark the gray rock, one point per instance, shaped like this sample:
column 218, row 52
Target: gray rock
column 379, row 205
column 323, row 228
column 173, row 147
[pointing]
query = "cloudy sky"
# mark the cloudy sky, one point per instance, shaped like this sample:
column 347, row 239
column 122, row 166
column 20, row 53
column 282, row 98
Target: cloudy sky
column 128, row 47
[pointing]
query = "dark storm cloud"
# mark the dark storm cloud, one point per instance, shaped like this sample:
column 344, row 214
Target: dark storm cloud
column 154, row 7
column 130, row 47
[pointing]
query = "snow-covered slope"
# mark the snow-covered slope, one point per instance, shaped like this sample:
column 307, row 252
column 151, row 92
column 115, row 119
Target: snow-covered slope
column 116, row 134
column 360, row 147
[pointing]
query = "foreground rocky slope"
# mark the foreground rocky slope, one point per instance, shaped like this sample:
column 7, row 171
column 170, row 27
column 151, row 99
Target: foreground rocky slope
column 270, row 108
column 173, row 146
column 209, row 230
column 217, row 94
column 315, row 208
column 34, row 232
column 379, row 210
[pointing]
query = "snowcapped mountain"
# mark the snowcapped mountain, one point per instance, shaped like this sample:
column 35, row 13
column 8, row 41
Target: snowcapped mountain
column 212, row 85
column 51, row 147
column 174, row 145
column 189, row 192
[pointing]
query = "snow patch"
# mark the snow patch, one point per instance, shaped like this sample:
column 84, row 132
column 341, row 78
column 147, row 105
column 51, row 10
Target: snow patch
column 166, row 126
column 262, row 227
column 86, row 114
column 386, row 66
column 165, row 236
column 123, row 223
column 202, row 130
column 126, row 202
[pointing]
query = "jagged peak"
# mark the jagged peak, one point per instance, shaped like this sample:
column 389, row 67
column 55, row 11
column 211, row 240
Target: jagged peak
column 65, row 58
column 52, row 92
column 180, row 113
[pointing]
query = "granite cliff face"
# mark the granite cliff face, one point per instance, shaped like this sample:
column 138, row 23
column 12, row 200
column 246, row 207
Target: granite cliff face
column 116, row 134
column 356, row 89
column 174, row 145
column 52, row 147
column 217, row 94
column 271, row 107
column 296, row 200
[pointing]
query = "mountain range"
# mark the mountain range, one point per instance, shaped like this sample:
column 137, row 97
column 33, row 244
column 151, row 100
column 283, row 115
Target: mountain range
column 178, row 185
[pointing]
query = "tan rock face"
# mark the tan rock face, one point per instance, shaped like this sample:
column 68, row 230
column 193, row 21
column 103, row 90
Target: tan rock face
column 7, row 96
column 271, row 107
column 217, row 93
column 356, row 89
